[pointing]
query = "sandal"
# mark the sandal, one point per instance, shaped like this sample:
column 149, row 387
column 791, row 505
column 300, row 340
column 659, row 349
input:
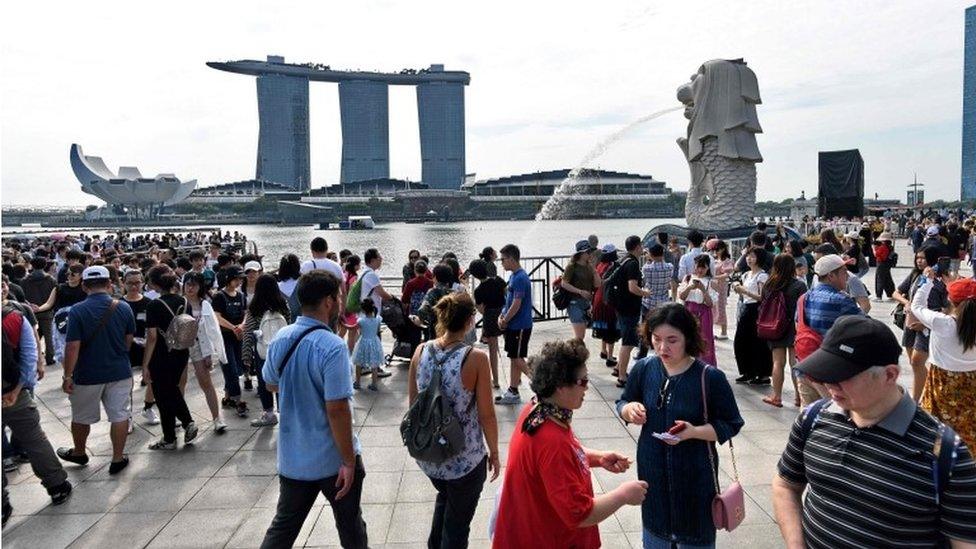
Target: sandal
column 614, row 372
column 777, row 402
column 621, row 383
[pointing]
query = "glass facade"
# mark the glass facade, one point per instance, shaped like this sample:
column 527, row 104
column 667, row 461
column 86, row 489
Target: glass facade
column 440, row 106
column 283, row 139
column 365, row 114
column 969, row 109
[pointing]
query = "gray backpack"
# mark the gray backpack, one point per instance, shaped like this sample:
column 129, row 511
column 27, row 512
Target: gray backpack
column 430, row 430
column 181, row 333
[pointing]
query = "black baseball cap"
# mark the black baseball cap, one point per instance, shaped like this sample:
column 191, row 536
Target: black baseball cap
column 852, row 345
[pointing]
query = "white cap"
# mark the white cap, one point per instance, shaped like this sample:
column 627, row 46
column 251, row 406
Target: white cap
column 828, row 264
column 252, row 266
column 95, row 273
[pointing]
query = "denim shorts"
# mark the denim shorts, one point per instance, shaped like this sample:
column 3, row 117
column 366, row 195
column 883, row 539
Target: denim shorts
column 577, row 310
column 627, row 326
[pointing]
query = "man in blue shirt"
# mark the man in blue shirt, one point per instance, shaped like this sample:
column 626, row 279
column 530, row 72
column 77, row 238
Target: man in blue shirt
column 516, row 321
column 96, row 367
column 308, row 366
column 827, row 301
column 20, row 411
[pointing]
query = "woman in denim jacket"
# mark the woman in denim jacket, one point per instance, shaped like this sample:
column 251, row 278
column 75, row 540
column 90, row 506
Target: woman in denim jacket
column 663, row 393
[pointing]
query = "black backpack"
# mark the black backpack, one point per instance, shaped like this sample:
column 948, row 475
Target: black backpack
column 430, row 430
column 614, row 285
column 11, row 349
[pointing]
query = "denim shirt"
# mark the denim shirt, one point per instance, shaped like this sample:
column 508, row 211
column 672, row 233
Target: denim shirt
column 680, row 478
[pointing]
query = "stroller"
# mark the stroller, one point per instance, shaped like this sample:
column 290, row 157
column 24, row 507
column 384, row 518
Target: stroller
column 405, row 333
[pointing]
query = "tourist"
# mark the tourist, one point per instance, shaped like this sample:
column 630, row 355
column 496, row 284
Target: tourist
column 580, row 280
column 674, row 392
column 489, row 298
column 656, row 274
column 426, row 317
column 938, row 300
column 408, row 268
column 96, row 368
column 137, row 302
column 783, row 280
column 349, row 322
column 289, row 269
column 230, row 306
column 857, row 289
column 828, row 236
column 756, row 240
column 372, row 286
column 20, row 411
column 722, row 267
column 603, row 313
column 216, row 250
column 60, row 301
column 164, row 366
column 416, row 288
column 317, row 452
column 547, row 496
column 72, row 258
column 671, row 258
column 208, row 350
column 884, row 252
column 686, row 265
column 752, row 355
column 934, row 241
column 465, row 384
column 698, row 296
column 628, row 305
column 252, row 271
column 951, row 379
column 320, row 250
column 490, row 256
column 198, row 263
column 516, row 322
column 865, row 455
column 38, row 286
column 262, row 315
column 367, row 356
column 957, row 241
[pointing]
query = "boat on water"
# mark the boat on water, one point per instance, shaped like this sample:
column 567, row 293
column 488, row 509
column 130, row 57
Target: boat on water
column 352, row 223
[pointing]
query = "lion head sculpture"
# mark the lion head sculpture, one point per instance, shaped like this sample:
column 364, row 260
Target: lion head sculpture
column 720, row 102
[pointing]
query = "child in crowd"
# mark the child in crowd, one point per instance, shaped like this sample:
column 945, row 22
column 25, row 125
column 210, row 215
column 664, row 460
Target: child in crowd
column 368, row 354
column 698, row 296
column 723, row 269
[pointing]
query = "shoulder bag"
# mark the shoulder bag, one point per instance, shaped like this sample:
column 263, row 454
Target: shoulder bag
column 728, row 507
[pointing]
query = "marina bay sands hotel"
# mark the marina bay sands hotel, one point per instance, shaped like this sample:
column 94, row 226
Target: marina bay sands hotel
column 283, row 141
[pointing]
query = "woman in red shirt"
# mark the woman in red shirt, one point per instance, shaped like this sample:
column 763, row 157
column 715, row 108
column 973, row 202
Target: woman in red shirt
column 547, row 497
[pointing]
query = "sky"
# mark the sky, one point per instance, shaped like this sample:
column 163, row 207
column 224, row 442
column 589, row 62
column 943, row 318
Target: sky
column 127, row 81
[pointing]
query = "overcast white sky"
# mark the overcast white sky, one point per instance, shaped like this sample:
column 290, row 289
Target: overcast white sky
column 127, row 81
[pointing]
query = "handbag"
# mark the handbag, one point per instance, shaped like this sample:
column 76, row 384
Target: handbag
column 729, row 506
column 899, row 314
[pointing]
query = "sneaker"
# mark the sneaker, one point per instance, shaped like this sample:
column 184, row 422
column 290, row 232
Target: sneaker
column 267, row 419
column 189, row 432
column 219, row 425
column 356, row 385
column 760, row 381
column 611, row 362
column 744, row 379
column 372, row 387
column 60, row 493
column 161, row 445
column 509, row 398
column 150, row 416
column 242, row 409
column 116, row 467
column 228, row 403
column 248, row 385
column 68, row 454
column 381, row 373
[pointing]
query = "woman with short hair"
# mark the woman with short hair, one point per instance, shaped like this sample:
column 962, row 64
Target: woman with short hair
column 547, row 497
column 581, row 281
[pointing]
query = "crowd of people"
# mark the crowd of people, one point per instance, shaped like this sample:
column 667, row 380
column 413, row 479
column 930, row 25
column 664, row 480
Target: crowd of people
column 161, row 307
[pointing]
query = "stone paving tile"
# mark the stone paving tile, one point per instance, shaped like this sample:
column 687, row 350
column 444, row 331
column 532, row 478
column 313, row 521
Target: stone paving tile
column 230, row 493
column 48, row 531
column 199, row 528
column 324, row 533
column 157, row 494
column 123, row 530
column 251, row 531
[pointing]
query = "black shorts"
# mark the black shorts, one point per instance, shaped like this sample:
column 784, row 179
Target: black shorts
column 517, row 343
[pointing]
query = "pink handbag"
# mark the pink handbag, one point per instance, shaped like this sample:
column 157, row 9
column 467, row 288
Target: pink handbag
column 729, row 506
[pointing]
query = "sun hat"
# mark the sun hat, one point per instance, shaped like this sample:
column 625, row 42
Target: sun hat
column 828, row 264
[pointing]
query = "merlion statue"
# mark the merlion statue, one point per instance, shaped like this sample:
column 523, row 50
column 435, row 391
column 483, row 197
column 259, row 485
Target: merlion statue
column 721, row 148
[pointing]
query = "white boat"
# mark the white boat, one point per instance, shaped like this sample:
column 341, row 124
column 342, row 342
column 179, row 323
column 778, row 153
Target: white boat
column 352, row 223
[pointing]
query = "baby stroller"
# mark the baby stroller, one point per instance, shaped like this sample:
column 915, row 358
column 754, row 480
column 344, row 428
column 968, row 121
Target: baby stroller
column 406, row 335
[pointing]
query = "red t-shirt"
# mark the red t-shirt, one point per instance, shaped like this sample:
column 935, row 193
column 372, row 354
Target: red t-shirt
column 547, row 492
column 414, row 285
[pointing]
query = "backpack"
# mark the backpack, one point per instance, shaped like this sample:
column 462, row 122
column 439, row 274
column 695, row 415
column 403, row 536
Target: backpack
column 13, row 322
column 614, row 286
column 294, row 307
column 271, row 322
column 430, row 430
column 772, row 322
column 354, row 297
column 807, row 339
column 181, row 333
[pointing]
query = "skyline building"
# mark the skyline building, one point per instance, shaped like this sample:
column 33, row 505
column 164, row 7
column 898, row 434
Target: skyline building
column 283, row 132
column 968, row 181
column 283, row 142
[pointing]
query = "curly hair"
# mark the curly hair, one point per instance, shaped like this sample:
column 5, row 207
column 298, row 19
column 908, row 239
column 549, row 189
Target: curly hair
column 557, row 365
column 453, row 312
column 679, row 318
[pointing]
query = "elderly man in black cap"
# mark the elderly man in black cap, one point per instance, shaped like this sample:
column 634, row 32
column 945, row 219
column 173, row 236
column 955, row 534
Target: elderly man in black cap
column 878, row 470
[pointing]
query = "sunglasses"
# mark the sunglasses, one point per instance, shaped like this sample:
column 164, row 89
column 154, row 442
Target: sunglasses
column 582, row 382
column 662, row 395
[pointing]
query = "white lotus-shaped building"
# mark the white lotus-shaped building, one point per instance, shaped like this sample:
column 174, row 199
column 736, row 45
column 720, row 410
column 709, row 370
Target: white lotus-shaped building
column 129, row 187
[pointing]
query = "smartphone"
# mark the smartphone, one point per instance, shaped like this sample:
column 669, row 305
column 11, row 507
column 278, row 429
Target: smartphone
column 677, row 428
column 942, row 267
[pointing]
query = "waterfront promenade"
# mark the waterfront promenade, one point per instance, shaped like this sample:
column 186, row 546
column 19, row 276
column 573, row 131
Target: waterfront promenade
column 221, row 491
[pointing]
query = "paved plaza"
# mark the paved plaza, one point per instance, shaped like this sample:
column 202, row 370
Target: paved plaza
column 222, row 490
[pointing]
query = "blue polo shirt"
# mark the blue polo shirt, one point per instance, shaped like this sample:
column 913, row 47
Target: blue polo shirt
column 318, row 371
column 104, row 356
column 825, row 304
column 519, row 287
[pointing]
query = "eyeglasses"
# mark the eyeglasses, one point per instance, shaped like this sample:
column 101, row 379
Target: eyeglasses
column 582, row 382
column 662, row 395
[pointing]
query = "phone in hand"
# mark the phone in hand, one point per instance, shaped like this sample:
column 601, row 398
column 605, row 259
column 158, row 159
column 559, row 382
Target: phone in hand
column 677, row 428
column 942, row 267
